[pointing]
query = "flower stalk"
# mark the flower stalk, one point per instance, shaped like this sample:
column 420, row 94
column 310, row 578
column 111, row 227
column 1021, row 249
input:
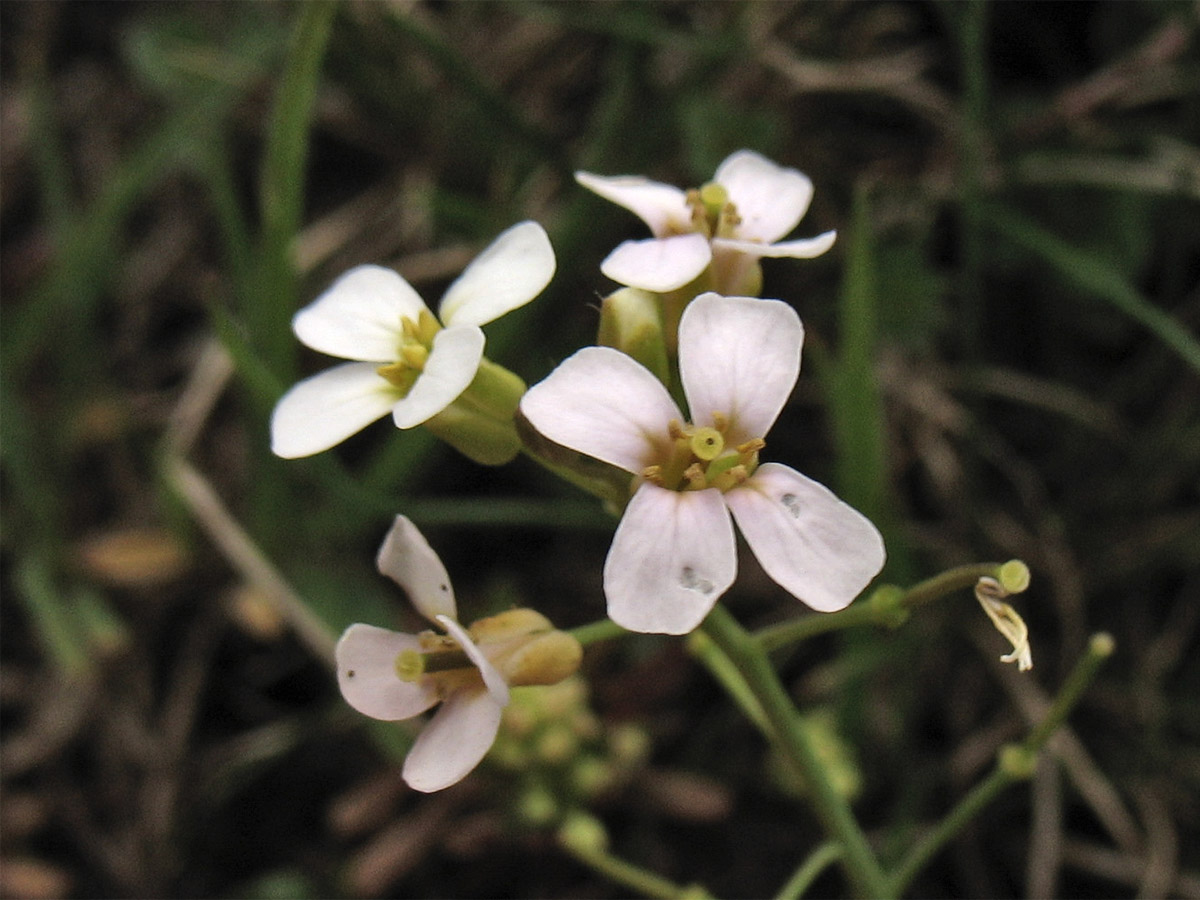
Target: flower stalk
column 1015, row 762
column 889, row 606
column 791, row 737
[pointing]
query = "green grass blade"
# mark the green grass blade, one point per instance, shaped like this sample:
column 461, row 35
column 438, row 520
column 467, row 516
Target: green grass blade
column 1094, row 276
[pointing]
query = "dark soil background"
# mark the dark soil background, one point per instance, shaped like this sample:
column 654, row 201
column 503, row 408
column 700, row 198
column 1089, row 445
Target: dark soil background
column 1017, row 191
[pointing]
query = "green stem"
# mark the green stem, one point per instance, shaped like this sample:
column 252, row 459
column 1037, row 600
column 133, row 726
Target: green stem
column 625, row 873
column 1015, row 763
column 593, row 632
column 817, row 862
column 793, row 741
column 887, row 606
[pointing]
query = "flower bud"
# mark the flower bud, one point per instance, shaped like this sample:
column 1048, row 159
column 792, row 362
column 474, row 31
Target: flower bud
column 631, row 321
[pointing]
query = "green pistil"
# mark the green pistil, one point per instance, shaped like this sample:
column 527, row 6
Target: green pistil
column 707, row 443
column 410, row 665
column 699, row 459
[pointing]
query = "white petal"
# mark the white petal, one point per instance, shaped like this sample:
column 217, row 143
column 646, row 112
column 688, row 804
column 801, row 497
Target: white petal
column 806, row 248
column 457, row 737
column 509, row 273
column 739, row 356
column 816, row 547
column 603, row 404
column 451, row 367
column 366, row 670
column 658, row 264
column 406, row 558
column 661, row 206
column 495, row 682
column 358, row 317
column 770, row 199
column 672, row 556
column 327, row 408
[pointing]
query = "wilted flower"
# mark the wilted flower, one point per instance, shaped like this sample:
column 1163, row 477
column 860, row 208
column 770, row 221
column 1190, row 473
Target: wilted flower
column 406, row 361
column 674, row 552
column 390, row 675
column 728, row 224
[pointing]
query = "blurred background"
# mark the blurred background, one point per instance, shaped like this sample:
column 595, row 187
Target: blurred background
column 1001, row 361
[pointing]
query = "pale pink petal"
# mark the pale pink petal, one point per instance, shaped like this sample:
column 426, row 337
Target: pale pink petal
column 770, row 199
column 661, row 206
column 366, row 670
column 457, row 737
column 406, row 558
column 658, row 264
column 806, row 248
column 452, row 365
column 495, row 682
column 358, row 317
column 605, row 405
column 672, row 556
column 816, row 547
column 327, row 408
column 739, row 356
column 508, row 274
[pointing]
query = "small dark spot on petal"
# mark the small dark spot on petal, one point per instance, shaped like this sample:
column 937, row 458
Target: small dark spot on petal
column 688, row 581
column 792, row 503
column 349, row 673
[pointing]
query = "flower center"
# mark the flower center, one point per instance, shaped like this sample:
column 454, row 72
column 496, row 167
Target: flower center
column 713, row 215
column 700, row 458
column 416, row 342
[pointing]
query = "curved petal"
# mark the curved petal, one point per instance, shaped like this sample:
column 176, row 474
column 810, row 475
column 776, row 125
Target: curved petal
column 770, row 199
column 806, row 248
column 509, row 273
column 816, row 547
column 366, row 671
column 672, row 556
column 457, row 737
column 739, row 356
column 658, row 264
column 324, row 410
column 358, row 317
column 451, row 367
column 602, row 403
column 495, row 682
column 661, row 206
column 406, row 558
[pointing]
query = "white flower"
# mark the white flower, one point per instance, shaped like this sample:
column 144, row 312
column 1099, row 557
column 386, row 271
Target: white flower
column 729, row 223
column 406, row 362
column 390, row 675
column 674, row 551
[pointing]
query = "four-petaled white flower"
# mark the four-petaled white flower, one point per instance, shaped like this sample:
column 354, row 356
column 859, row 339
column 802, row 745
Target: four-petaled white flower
column 406, row 362
column 728, row 223
column 368, row 662
column 390, row 675
column 674, row 552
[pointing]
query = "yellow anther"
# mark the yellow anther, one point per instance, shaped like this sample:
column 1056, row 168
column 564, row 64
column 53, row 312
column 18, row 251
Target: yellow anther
column 653, row 474
column 720, row 421
column 414, row 355
column 707, row 443
column 751, row 446
column 399, row 374
column 696, row 479
column 675, row 430
column 427, row 327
